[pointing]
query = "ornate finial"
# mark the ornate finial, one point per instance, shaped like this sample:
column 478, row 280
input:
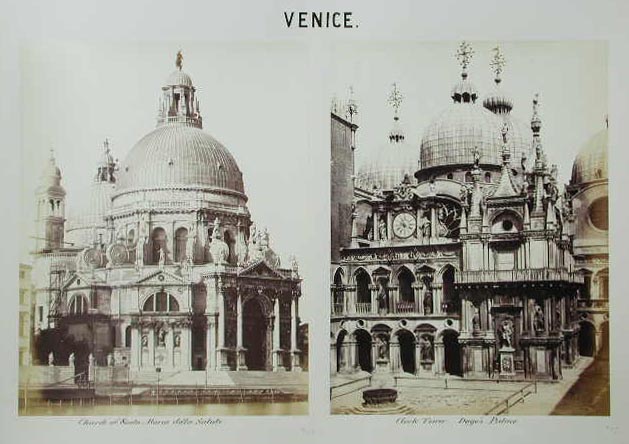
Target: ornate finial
column 179, row 60
column 536, row 121
column 505, row 130
column 352, row 107
column 395, row 100
column 498, row 63
column 464, row 56
column 106, row 145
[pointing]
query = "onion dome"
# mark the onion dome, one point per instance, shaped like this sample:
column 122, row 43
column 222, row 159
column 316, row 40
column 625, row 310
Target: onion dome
column 463, row 128
column 50, row 180
column 393, row 160
column 591, row 163
column 178, row 153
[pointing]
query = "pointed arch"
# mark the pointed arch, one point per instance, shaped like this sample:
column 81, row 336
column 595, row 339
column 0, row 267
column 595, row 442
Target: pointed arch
column 406, row 279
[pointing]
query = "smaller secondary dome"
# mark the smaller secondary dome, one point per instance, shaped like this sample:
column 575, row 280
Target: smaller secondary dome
column 464, row 90
column 591, row 162
column 497, row 101
column 179, row 78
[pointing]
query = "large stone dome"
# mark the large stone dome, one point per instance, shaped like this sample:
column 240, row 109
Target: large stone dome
column 451, row 138
column 179, row 156
column 591, row 162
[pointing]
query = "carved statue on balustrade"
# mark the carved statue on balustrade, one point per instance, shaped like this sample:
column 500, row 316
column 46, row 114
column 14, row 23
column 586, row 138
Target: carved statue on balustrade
column 538, row 319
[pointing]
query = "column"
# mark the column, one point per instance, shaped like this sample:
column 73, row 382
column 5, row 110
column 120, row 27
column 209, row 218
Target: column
column 240, row 350
column 439, row 365
column 416, row 297
column 221, row 352
column 437, row 298
column 351, row 344
column 351, row 300
column 394, row 354
column 418, row 357
column 547, row 314
column 376, row 231
column 374, row 299
column 333, row 364
column 186, row 352
column 433, row 223
column 170, row 355
column 394, row 297
column 210, row 343
column 294, row 350
column 151, row 340
column 277, row 351
column 389, row 225
column 419, row 296
column 136, row 348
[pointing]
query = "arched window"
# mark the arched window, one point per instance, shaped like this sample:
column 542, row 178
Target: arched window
column 338, row 288
column 363, row 280
column 161, row 302
column 181, row 239
column 405, row 284
column 78, row 305
column 127, row 336
column 450, row 297
column 158, row 239
column 487, row 177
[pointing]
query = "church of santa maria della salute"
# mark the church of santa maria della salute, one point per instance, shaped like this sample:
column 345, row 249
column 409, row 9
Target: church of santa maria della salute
column 164, row 271
column 461, row 254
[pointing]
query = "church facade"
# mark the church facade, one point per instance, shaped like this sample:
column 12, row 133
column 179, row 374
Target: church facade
column 466, row 257
column 165, row 270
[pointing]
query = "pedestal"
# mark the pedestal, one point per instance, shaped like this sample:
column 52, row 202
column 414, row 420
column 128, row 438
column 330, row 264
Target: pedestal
column 295, row 360
column 277, row 361
column 222, row 359
column 507, row 363
column 240, row 359
column 382, row 366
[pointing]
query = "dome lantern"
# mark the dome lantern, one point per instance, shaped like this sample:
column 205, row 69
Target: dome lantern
column 464, row 91
column 497, row 101
column 179, row 103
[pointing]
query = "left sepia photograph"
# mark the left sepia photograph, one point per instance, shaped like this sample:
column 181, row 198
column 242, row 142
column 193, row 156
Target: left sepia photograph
column 149, row 281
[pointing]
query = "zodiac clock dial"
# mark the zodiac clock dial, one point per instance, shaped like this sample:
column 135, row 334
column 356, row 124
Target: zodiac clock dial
column 404, row 225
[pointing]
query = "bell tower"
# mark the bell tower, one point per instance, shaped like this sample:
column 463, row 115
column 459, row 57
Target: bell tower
column 50, row 220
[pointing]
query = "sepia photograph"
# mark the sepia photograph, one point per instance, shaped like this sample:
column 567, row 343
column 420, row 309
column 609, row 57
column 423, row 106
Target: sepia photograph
column 159, row 274
column 469, row 228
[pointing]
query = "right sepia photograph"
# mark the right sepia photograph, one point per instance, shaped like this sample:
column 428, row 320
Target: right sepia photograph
column 469, row 228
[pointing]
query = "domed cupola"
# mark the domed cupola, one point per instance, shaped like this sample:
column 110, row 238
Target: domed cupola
column 393, row 160
column 591, row 163
column 178, row 154
column 87, row 225
column 462, row 129
column 500, row 103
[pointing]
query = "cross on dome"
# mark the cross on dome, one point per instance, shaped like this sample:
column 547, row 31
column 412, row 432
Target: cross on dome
column 395, row 99
column 498, row 62
column 464, row 55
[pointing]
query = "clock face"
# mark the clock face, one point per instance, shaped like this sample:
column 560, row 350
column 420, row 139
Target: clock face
column 404, row 225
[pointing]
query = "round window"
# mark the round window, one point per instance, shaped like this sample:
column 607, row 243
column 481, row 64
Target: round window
column 598, row 213
column 507, row 225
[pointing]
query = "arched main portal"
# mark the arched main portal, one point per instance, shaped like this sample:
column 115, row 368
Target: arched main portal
column 452, row 353
column 255, row 335
column 406, row 340
column 587, row 339
column 341, row 358
column 363, row 350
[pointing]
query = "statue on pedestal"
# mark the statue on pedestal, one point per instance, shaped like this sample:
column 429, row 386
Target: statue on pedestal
column 506, row 334
column 476, row 320
column 428, row 301
column 110, row 360
column 71, row 359
column 162, row 257
column 425, row 349
column 538, row 319
column 382, row 230
column 51, row 359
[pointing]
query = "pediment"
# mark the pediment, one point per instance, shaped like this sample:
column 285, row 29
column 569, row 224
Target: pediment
column 161, row 277
column 81, row 280
column 260, row 269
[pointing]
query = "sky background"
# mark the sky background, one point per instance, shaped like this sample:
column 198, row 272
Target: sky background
column 570, row 77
